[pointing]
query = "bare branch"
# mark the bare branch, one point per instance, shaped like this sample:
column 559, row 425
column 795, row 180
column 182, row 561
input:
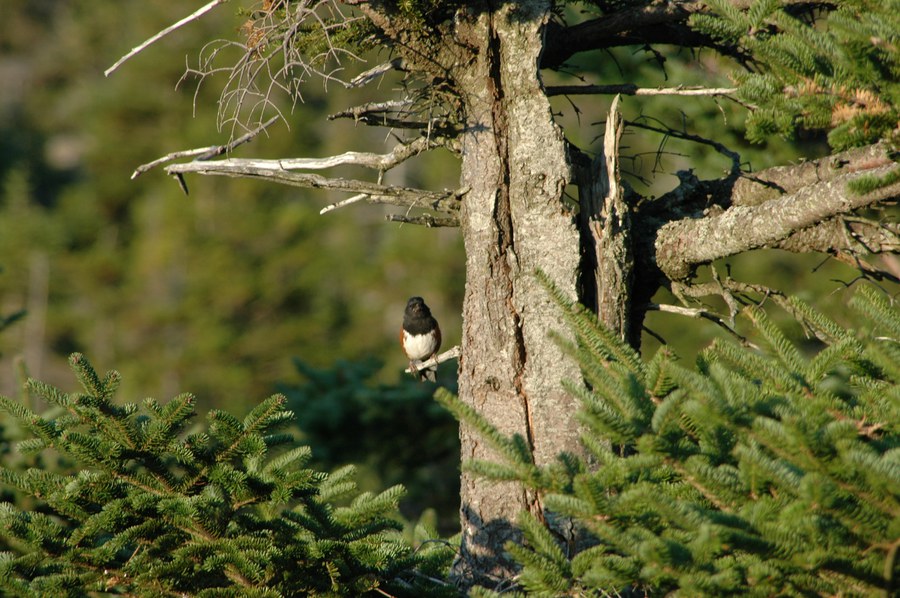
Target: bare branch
column 732, row 290
column 397, row 64
column 138, row 49
column 373, row 108
column 447, row 355
column 753, row 189
column 698, row 313
column 849, row 240
column 684, row 244
column 426, row 220
column 342, row 203
column 380, row 118
column 719, row 147
column 204, row 153
column 857, row 236
column 633, row 90
column 444, row 201
column 274, row 55
column 381, row 162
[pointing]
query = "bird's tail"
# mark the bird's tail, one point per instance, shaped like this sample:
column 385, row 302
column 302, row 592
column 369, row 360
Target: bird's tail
column 429, row 374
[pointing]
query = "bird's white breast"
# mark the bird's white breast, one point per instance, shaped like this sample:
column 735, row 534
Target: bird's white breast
column 418, row 346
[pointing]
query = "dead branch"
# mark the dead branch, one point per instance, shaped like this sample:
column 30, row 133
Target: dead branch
column 274, row 57
column 633, row 90
column 379, row 118
column 140, row 48
column 719, row 147
column 425, row 220
column 342, row 203
column 756, row 188
column 372, row 109
column 682, row 245
column 744, row 292
column 204, row 153
column 397, row 64
column 852, row 235
column 698, row 313
column 380, row 162
column 447, row 355
column 441, row 201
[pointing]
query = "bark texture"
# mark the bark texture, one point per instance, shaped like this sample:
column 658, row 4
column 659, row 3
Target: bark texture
column 786, row 221
column 607, row 270
column 514, row 222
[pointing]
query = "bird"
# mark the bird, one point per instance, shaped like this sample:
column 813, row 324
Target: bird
column 420, row 337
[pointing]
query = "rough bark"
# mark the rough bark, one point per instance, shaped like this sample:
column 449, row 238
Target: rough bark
column 513, row 222
column 682, row 245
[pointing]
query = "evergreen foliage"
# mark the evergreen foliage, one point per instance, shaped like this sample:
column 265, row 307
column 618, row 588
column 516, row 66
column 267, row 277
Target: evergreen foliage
column 837, row 71
column 755, row 473
column 394, row 432
column 159, row 506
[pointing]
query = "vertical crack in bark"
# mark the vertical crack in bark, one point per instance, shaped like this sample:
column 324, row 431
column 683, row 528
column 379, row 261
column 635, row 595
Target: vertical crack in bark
column 503, row 219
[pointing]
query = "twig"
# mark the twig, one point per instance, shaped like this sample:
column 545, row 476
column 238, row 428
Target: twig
column 204, row 153
column 342, row 203
column 633, row 90
column 696, row 313
column 397, row 64
column 447, row 355
column 370, row 108
column 191, row 17
column 381, row 119
column 719, row 147
column 425, row 220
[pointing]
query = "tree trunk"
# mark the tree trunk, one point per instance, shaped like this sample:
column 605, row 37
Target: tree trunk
column 514, row 222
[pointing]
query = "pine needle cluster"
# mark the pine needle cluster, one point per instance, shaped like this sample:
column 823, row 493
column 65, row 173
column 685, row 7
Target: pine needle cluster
column 758, row 473
column 835, row 68
column 157, row 505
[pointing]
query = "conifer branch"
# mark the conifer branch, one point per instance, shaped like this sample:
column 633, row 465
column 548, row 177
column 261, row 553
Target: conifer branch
column 643, row 24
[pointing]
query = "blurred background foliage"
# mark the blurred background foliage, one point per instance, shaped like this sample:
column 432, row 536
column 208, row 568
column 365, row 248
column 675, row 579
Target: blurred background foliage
column 242, row 286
